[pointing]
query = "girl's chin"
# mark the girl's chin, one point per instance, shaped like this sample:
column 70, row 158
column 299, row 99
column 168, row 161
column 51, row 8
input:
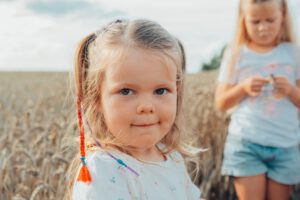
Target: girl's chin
column 266, row 43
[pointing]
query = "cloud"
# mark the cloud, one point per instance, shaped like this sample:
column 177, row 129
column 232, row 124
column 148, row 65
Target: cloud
column 56, row 7
column 41, row 36
column 60, row 8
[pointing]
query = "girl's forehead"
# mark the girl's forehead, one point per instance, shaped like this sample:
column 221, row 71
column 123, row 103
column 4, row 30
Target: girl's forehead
column 263, row 9
column 138, row 59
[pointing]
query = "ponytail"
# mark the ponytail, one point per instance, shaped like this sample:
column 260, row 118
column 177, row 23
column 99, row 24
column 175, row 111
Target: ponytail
column 81, row 68
column 183, row 59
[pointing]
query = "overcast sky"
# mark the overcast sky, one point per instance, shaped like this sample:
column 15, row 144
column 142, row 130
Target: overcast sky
column 42, row 35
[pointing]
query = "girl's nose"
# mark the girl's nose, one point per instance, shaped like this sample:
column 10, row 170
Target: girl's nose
column 262, row 26
column 145, row 107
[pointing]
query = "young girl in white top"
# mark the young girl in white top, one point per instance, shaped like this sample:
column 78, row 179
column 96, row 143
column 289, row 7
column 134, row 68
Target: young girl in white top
column 129, row 83
column 260, row 78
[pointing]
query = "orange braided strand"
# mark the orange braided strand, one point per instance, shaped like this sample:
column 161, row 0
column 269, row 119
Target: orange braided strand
column 81, row 131
column 84, row 174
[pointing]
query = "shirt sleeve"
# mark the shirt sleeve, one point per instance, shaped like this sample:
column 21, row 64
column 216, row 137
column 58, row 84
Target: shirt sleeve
column 225, row 74
column 107, row 182
column 193, row 192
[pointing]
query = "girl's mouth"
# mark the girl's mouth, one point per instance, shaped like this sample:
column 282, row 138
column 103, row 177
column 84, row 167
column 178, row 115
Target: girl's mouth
column 144, row 125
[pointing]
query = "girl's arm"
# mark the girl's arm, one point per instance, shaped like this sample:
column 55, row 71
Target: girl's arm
column 295, row 94
column 283, row 85
column 228, row 95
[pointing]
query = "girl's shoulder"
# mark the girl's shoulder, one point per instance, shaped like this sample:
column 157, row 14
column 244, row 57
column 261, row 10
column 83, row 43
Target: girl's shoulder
column 104, row 163
column 98, row 161
column 290, row 46
column 107, row 163
column 292, row 51
column 98, row 155
column 107, row 175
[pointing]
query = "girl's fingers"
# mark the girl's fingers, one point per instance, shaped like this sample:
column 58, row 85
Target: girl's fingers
column 254, row 94
column 282, row 83
column 256, row 87
column 261, row 81
column 265, row 81
column 256, row 90
column 281, row 80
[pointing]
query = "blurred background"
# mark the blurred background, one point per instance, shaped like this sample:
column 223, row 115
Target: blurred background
column 37, row 111
column 41, row 35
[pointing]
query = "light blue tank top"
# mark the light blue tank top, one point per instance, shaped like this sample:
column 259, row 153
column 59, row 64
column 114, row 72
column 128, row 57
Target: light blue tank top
column 266, row 119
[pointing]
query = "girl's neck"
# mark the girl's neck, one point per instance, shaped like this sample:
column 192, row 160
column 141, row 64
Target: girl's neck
column 148, row 155
column 261, row 48
column 153, row 154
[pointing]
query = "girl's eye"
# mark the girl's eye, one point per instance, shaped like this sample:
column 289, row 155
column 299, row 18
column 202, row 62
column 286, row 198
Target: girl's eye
column 126, row 91
column 270, row 20
column 255, row 21
column 161, row 91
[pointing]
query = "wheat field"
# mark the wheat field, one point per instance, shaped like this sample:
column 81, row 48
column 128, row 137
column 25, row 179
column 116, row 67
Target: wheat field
column 37, row 121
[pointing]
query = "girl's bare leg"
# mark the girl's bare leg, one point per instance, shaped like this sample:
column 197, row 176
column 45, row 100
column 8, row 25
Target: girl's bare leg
column 251, row 187
column 278, row 191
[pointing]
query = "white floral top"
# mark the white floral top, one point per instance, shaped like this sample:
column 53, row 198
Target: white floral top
column 165, row 180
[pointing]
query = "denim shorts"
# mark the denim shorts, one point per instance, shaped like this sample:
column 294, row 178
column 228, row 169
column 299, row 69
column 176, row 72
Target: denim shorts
column 244, row 158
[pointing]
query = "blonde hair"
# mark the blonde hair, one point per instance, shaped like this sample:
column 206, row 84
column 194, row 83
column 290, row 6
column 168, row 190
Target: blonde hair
column 104, row 48
column 241, row 37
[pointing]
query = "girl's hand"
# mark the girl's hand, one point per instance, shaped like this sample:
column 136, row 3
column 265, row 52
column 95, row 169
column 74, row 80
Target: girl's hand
column 282, row 86
column 253, row 85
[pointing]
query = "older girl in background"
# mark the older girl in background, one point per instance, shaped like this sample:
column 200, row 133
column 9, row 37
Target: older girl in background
column 260, row 79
